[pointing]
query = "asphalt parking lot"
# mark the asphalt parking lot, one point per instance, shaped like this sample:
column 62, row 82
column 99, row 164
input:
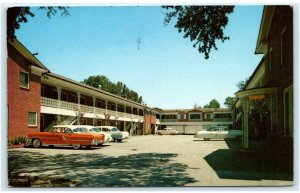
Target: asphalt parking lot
column 149, row 161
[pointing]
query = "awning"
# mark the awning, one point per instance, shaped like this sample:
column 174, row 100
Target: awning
column 256, row 91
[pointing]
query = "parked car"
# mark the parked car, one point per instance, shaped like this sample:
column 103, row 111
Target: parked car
column 116, row 134
column 107, row 136
column 167, row 131
column 85, row 129
column 63, row 136
column 219, row 132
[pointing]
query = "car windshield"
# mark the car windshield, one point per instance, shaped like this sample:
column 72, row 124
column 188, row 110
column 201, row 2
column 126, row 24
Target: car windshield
column 115, row 129
column 223, row 129
column 67, row 130
column 95, row 129
column 81, row 130
column 213, row 129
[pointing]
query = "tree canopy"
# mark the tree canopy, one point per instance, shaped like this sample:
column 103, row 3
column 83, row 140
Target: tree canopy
column 212, row 104
column 17, row 15
column 202, row 24
column 229, row 101
column 118, row 88
column 241, row 85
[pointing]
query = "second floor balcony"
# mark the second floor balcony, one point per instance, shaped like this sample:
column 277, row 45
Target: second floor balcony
column 79, row 108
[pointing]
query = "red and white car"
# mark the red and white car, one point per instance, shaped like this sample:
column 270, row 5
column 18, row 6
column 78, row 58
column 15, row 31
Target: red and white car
column 64, row 136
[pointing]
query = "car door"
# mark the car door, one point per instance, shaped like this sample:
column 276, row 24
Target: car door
column 66, row 136
column 222, row 133
column 51, row 137
column 211, row 133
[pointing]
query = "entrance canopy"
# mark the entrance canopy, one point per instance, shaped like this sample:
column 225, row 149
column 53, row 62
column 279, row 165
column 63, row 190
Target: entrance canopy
column 256, row 93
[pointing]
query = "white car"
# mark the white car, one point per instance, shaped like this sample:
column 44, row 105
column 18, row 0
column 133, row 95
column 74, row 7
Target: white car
column 167, row 131
column 115, row 133
column 94, row 129
column 219, row 132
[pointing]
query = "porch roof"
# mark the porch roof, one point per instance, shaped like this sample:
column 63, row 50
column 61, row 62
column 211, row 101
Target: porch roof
column 256, row 91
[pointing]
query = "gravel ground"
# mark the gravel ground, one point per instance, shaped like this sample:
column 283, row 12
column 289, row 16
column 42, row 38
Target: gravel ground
column 149, row 161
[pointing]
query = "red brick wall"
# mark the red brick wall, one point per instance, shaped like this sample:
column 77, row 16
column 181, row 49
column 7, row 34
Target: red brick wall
column 148, row 121
column 280, row 76
column 20, row 100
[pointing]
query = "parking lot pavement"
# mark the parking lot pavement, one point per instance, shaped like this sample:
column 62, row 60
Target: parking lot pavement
column 149, row 161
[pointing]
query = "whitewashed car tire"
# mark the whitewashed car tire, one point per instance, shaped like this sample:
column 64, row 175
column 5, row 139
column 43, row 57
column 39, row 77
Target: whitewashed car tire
column 76, row 146
column 36, row 143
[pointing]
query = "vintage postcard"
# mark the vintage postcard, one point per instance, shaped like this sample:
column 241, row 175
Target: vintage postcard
column 112, row 96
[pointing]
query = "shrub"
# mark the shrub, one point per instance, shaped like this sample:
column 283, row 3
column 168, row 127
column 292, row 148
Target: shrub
column 18, row 140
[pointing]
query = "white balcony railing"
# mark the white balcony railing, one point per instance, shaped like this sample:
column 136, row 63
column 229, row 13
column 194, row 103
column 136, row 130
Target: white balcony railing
column 67, row 105
column 48, row 102
column 222, row 119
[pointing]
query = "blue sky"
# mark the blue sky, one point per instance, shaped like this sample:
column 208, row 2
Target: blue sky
column 166, row 70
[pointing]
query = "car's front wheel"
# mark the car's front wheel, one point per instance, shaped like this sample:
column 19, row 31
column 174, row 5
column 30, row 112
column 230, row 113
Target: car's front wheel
column 76, row 146
column 119, row 140
column 36, row 143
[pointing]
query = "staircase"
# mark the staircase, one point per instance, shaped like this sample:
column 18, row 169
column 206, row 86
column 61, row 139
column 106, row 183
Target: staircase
column 68, row 120
column 133, row 127
column 54, row 122
column 65, row 120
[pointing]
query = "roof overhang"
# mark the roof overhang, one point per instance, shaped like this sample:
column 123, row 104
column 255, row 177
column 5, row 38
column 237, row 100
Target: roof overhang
column 257, row 75
column 60, row 81
column 256, row 91
column 262, row 40
column 26, row 53
column 38, row 71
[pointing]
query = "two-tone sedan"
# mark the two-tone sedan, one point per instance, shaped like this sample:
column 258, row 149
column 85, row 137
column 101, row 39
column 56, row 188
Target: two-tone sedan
column 116, row 134
column 219, row 132
column 107, row 136
column 167, row 131
column 62, row 136
column 86, row 129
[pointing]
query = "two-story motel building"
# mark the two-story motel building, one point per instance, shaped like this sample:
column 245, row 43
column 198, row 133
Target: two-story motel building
column 39, row 99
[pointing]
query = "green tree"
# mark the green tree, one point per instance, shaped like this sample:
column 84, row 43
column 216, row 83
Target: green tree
column 212, row 104
column 241, row 85
column 229, row 101
column 202, row 24
column 99, row 81
column 118, row 88
column 17, row 15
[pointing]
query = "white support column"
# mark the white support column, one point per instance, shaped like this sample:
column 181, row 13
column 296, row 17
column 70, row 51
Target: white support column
column 274, row 113
column 78, row 106
column 58, row 89
column 94, row 104
column 116, row 110
column 94, row 111
column 59, row 119
column 245, row 104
